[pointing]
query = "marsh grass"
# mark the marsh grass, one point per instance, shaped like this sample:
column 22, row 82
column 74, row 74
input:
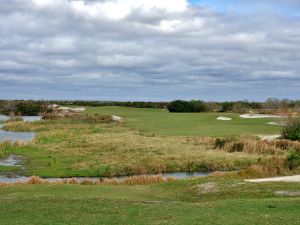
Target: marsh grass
column 133, row 180
column 65, row 147
column 252, row 145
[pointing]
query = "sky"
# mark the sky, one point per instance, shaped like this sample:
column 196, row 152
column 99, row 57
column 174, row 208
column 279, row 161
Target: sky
column 149, row 50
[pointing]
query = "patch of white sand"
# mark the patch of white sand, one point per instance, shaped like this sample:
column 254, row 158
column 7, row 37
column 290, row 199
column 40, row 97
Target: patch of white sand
column 117, row 118
column 295, row 178
column 224, row 118
column 269, row 137
column 72, row 109
column 259, row 116
column 277, row 124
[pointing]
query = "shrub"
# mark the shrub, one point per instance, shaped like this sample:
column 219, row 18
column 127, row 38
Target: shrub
column 293, row 160
column 237, row 147
column 220, row 143
column 292, row 130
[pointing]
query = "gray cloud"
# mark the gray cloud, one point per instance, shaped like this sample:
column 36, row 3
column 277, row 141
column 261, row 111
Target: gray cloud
column 83, row 50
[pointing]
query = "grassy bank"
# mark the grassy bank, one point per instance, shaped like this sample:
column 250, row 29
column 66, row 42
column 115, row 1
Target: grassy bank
column 67, row 147
column 161, row 122
column 201, row 201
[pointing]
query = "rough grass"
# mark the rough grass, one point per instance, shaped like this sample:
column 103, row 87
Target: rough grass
column 68, row 147
column 161, row 122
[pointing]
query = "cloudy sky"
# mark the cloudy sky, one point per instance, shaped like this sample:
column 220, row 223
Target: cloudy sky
column 149, row 49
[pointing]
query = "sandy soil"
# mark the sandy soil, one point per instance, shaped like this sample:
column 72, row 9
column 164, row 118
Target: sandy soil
column 295, row 178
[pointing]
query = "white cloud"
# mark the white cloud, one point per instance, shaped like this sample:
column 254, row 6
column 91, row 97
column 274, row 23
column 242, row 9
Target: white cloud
column 138, row 49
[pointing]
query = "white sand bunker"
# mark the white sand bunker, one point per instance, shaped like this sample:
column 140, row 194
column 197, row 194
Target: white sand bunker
column 117, row 118
column 269, row 137
column 277, row 123
column 224, row 118
column 68, row 109
column 295, row 178
column 258, row 116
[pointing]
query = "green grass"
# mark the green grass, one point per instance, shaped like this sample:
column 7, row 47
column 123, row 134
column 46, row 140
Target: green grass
column 6, row 169
column 161, row 122
column 65, row 148
column 231, row 202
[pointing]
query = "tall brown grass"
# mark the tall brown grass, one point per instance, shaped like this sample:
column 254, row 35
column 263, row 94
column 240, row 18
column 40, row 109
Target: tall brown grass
column 133, row 180
column 273, row 167
column 252, row 145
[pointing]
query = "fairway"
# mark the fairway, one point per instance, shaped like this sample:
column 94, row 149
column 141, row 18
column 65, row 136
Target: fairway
column 161, row 122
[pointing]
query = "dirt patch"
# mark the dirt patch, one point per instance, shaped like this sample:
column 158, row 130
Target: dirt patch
column 210, row 187
column 288, row 193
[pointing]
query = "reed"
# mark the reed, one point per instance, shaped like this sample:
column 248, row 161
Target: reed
column 129, row 181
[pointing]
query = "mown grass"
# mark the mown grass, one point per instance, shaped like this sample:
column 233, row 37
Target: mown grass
column 161, row 122
column 227, row 201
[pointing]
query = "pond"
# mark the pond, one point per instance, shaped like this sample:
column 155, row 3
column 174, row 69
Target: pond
column 17, row 136
column 28, row 136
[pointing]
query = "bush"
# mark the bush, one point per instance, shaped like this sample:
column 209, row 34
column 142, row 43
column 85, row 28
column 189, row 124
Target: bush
column 220, row 143
column 292, row 130
column 187, row 106
column 237, row 147
column 293, row 160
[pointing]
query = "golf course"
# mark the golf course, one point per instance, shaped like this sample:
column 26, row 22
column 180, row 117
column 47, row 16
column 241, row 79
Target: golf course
column 130, row 154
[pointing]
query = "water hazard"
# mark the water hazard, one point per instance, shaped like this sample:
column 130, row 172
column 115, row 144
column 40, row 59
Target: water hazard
column 17, row 136
column 28, row 136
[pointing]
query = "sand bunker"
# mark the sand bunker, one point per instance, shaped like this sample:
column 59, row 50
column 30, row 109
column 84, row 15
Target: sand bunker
column 117, row 118
column 67, row 109
column 258, row 116
column 295, row 178
column 277, row 123
column 224, row 118
column 269, row 137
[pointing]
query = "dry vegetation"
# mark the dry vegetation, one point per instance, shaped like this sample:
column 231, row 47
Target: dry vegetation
column 81, row 145
column 133, row 180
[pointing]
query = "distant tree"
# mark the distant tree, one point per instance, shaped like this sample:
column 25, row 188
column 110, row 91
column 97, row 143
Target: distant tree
column 187, row 106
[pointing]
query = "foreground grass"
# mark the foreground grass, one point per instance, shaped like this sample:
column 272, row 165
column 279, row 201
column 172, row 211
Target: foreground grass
column 161, row 122
column 66, row 147
column 227, row 201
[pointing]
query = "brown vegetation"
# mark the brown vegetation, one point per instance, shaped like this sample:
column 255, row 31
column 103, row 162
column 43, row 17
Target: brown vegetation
column 133, row 180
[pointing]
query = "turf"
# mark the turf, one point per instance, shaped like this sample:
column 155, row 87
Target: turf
column 231, row 202
column 161, row 122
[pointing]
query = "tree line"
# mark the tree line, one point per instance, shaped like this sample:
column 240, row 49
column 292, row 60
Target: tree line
column 30, row 107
